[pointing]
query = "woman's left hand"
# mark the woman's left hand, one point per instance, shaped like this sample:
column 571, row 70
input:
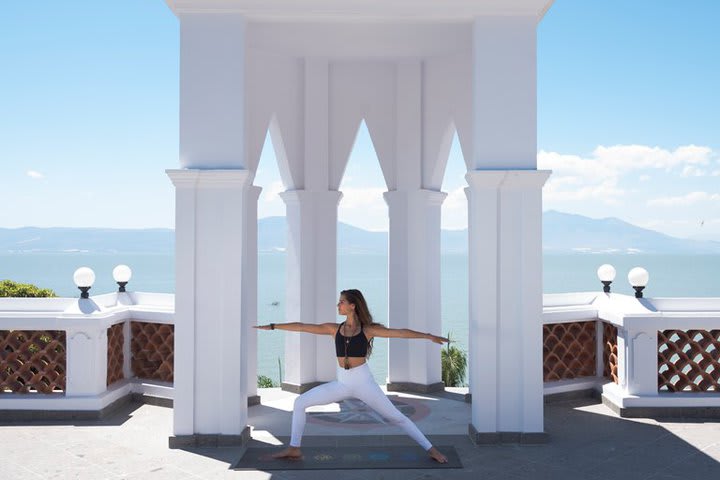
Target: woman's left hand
column 436, row 339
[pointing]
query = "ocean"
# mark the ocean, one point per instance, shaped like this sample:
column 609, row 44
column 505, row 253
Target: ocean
column 670, row 276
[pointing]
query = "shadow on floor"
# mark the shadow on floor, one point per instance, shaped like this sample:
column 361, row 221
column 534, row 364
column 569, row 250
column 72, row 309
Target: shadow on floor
column 117, row 415
column 587, row 441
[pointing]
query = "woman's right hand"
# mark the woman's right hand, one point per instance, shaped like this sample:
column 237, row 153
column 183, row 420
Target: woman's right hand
column 262, row 327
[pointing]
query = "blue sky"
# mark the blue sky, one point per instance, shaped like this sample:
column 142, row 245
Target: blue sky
column 627, row 117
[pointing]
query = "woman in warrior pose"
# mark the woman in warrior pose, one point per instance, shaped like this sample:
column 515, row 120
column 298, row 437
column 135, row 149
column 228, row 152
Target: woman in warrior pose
column 353, row 345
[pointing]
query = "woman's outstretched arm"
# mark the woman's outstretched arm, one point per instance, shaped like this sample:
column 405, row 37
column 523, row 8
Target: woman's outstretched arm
column 317, row 329
column 384, row 332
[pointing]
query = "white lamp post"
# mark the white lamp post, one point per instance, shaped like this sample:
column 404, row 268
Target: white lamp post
column 122, row 275
column 606, row 274
column 638, row 278
column 84, row 278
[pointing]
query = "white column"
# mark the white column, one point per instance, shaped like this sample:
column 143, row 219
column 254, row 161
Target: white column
column 505, row 234
column 250, row 295
column 311, row 285
column 414, row 288
column 210, row 254
column 504, row 134
column 505, row 297
column 211, row 225
column 212, row 90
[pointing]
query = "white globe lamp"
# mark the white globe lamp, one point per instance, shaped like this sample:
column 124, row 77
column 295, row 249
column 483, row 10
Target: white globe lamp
column 606, row 274
column 122, row 275
column 84, row 278
column 638, row 278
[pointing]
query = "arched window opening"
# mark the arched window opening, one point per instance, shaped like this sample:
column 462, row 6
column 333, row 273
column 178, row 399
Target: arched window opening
column 362, row 261
column 272, row 244
column 454, row 250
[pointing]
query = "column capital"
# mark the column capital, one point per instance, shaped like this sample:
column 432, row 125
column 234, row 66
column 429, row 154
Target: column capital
column 495, row 179
column 255, row 191
column 209, row 178
column 294, row 197
column 429, row 197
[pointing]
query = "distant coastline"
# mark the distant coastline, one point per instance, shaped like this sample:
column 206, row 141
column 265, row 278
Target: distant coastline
column 563, row 234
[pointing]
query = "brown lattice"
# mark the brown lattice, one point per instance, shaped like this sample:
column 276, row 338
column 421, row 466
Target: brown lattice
column 689, row 360
column 568, row 350
column 115, row 354
column 152, row 350
column 32, row 361
column 610, row 352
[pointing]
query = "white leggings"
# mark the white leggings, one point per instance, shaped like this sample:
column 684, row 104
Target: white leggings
column 356, row 382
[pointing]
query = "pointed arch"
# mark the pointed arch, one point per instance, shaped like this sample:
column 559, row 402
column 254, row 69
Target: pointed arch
column 381, row 128
column 441, row 141
column 353, row 145
column 281, row 156
column 362, row 92
column 343, row 141
column 363, row 185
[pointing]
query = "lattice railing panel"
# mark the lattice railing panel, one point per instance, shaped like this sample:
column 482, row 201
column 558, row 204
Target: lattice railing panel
column 568, row 350
column 610, row 352
column 689, row 360
column 152, row 350
column 115, row 353
column 32, row 361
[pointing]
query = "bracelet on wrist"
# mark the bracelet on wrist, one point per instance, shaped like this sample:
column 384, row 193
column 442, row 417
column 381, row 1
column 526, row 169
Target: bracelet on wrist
column 272, row 326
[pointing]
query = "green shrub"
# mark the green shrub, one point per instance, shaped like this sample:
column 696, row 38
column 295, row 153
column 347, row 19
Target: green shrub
column 265, row 382
column 8, row 288
column 454, row 363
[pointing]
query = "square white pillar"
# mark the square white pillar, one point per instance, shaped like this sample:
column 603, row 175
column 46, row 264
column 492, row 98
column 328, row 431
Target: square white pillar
column 505, row 334
column 414, row 288
column 311, row 285
column 211, row 227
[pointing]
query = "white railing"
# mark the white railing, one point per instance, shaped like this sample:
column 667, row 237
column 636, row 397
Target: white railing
column 606, row 342
column 667, row 349
column 83, row 324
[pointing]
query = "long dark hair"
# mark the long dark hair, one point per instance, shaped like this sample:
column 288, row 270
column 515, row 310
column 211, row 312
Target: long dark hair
column 355, row 297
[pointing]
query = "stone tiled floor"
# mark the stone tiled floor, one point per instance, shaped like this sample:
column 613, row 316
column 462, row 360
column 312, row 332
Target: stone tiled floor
column 587, row 441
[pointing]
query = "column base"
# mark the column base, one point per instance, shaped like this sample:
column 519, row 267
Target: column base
column 414, row 387
column 494, row 438
column 210, row 440
column 301, row 388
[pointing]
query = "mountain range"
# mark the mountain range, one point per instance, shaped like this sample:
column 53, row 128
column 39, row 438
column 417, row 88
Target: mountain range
column 563, row 233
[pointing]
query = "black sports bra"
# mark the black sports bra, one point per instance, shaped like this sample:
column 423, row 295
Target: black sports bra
column 357, row 345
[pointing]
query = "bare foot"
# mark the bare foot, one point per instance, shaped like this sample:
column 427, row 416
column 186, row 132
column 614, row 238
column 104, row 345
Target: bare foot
column 292, row 453
column 437, row 456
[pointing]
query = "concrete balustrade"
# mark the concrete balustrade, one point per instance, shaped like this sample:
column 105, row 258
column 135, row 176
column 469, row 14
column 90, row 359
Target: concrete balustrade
column 85, row 324
column 646, row 357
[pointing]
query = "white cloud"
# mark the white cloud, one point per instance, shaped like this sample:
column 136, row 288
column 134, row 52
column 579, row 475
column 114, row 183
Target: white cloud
column 456, row 199
column 692, row 171
column 683, row 200
column 614, row 161
column 364, row 208
column 597, row 177
column 34, row 174
column 363, row 198
column 455, row 210
column 606, row 192
column 716, row 173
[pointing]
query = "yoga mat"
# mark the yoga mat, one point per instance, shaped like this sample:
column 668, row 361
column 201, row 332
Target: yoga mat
column 346, row 458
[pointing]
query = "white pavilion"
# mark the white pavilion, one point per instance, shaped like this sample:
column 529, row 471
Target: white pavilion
column 309, row 71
